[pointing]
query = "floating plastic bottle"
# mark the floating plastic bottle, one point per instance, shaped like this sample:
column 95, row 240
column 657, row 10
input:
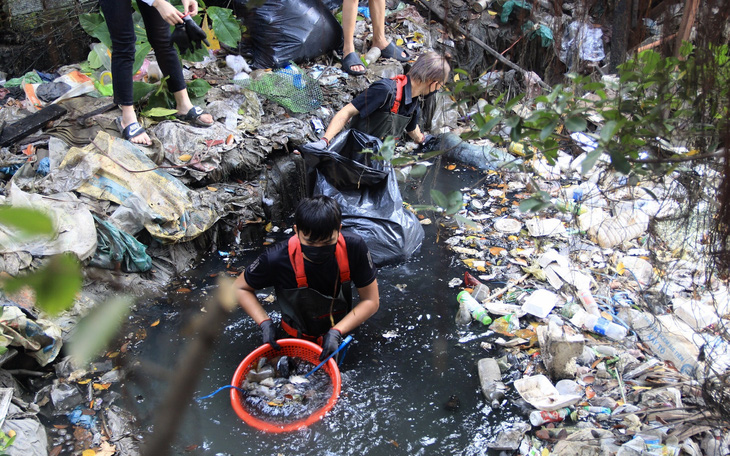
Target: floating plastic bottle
column 477, row 311
column 540, row 417
column 490, row 378
column 479, row 291
column 599, row 325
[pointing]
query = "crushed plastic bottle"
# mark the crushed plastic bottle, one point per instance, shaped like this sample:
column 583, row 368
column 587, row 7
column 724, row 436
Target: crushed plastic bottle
column 478, row 312
column 598, row 325
column 540, row 417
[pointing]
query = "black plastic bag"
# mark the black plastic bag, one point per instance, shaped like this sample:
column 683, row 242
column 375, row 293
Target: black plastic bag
column 368, row 194
column 289, row 30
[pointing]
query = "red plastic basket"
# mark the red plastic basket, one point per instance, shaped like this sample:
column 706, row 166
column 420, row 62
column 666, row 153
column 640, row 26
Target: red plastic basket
column 296, row 348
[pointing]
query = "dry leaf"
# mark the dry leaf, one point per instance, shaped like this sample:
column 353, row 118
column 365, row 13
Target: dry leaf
column 496, row 250
column 84, row 382
column 229, row 140
column 212, row 189
column 185, row 157
column 88, row 453
column 113, row 354
column 183, row 290
column 106, row 449
column 102, row 386
column 155, row 323
column 451, row 167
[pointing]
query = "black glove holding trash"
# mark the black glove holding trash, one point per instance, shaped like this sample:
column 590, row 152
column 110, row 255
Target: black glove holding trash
column 180, row 38
column 330, row 343
column 196, row 35
column 269, row 333
column 428, row 144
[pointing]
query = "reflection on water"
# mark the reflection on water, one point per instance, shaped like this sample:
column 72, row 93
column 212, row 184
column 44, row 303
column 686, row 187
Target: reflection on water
column 405, row 364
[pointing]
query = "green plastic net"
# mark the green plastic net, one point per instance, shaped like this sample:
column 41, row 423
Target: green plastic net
column 290, row 87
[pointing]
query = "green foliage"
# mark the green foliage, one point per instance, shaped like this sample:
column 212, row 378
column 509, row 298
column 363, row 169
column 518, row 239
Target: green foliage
column 6, row 440
column 226, row 26
column 98, row 329
column 59, row 280
column 55, row 285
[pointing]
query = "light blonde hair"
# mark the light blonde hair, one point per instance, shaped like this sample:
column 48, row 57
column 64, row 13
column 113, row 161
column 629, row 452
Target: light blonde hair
column 430, row 67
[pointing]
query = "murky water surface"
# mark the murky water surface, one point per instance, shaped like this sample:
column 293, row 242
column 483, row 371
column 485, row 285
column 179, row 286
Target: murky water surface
column 409, row 386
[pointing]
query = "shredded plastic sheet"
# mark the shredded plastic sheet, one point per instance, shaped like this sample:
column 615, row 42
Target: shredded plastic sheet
column 583, row 40
column 71, row 218
column 115, row 170
column 41, row 339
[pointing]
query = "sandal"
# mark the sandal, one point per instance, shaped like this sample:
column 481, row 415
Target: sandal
column 351, row 60
column 193, row 117
column 392, row 51
column 130, row 131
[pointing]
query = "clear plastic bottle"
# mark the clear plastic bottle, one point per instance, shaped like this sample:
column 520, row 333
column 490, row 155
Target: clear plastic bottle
column 589, row 302
column 599, row 325
column 540, row 417
column 478, row 312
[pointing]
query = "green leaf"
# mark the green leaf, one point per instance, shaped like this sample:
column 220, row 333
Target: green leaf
column 56, row 284
column 140, row 54
column 576, row 123
column 466, row 221
column 619, row 162
column 401, row 161
column 95, row 25
column 95, row 331
column 198, row 88
column 454, row 201
column 226, row 27
column 141, row 89
column 533, row 204
column 514, row 101
column 591, row 159
column 387, row 150
column 30, row 222
column 549, row 129
column 592, row 86
column 608, row 130
column 439, row 198
column 159, row 112
column 418, row 171
column 487, row 127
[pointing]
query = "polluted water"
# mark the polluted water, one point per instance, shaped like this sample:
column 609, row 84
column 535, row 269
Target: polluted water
column 410, row 382
column 277, row 390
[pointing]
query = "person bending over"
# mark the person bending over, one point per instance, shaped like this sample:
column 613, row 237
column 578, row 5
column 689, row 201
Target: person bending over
column 312, row 274
column 390, row 107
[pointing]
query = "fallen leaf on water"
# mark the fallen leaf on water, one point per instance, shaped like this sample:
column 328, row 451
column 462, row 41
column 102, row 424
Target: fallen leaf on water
column 155, row 323
column 102, row 386
column 84, row 382
column 106, row 449
column 394, row 443
column 191, row 447
column 185, row 157
column 56, row 450
column 60, row 426
column 113, row 354
column 590, row 394
column 124, row 347
column 183, row 290
column 212, row 189
column 451, row 167
column 496, row 250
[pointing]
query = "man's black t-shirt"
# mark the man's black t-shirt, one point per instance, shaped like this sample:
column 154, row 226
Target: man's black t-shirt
column 380, row 97
column 273, row 267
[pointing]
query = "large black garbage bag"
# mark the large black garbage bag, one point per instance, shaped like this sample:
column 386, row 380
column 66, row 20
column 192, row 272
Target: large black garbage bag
column 289, row 30
column 368, row 194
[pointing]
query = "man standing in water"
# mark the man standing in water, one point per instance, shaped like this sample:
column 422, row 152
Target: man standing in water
column 312, row 274
column 390, row 107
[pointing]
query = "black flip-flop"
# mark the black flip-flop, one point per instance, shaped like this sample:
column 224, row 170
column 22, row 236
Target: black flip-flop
column 392, row 51
column 130, row 131
column 193, row 117
column 351, row 60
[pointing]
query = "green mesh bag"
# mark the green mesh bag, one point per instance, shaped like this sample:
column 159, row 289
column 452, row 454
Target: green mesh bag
column 290, row 87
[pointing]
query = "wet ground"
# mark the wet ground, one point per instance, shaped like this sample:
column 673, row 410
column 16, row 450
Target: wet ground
column 409, row 382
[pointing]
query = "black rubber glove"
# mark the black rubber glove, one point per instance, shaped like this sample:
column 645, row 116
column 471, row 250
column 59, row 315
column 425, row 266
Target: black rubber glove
column 428, row 144
column 321, row 144
column 180, row 37
column 196, row 35
column 330, row 343
column 269, row 333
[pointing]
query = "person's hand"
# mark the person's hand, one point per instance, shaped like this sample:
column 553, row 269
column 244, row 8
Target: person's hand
column 196, row 35
column 168, row 12
column 428, row 142
column 190, row 7
column 269, row 334
column 321, row 144
column 330, row 343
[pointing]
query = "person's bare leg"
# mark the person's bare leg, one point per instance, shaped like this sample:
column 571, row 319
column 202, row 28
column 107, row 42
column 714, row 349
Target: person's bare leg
column 128, row 118
column 377, row 17
column 349, row 17
column 182, row 99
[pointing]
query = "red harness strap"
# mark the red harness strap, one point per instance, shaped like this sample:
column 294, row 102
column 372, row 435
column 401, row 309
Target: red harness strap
column 400, row 81
column 297, row 260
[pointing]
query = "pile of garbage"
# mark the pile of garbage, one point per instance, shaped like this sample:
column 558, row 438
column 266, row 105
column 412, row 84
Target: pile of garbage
column 609, row 336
